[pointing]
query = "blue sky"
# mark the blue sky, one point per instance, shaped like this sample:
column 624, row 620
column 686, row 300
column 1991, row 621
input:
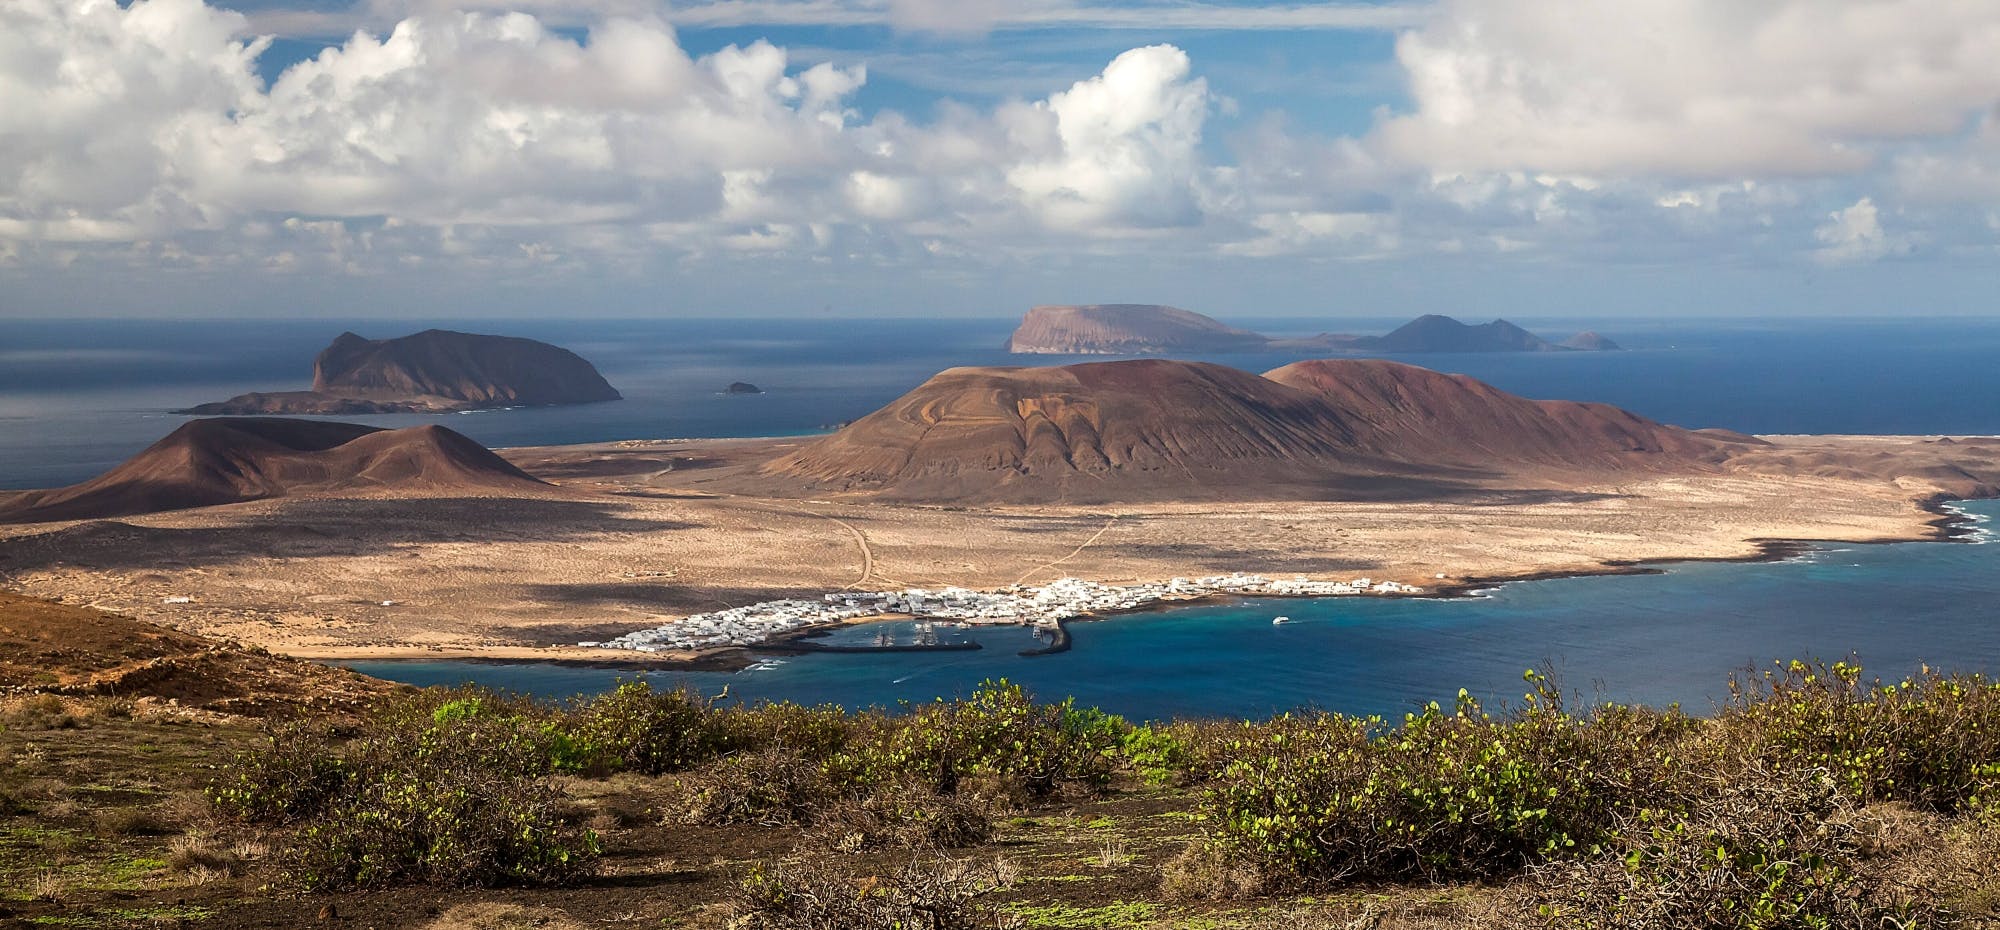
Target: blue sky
column 916, row 157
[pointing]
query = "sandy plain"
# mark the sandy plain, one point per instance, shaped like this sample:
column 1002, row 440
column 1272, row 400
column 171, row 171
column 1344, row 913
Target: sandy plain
column 638, row 534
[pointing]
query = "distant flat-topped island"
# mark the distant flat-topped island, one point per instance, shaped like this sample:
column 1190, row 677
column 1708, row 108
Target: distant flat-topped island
column 434, row 371
column 1122, row 476
column 1151, row 329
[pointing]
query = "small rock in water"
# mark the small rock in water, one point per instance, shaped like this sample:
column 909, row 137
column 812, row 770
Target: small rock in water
column 742, row 387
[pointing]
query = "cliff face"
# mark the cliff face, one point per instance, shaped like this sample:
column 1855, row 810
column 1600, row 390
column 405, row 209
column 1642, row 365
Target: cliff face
column 209, row 462
column 1158, row 429
column 485, row 371
column 1124, row 329
column 432, row 371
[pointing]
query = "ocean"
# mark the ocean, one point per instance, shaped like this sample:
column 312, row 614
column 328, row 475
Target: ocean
column 1659, row 638
column 77, row 397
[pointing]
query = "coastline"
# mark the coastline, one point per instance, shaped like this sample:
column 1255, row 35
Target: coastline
column 1948, row 525
column 632, row 538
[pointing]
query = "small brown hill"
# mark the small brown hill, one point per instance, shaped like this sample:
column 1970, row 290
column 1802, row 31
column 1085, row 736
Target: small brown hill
column 55, row 648
column 1421, row 416
column 224, row 461
column 1159, row 429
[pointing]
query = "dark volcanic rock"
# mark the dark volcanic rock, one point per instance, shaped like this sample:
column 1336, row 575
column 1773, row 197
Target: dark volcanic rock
column 1434, row 333
column 224, row 461
column 1588, row 341
column 742, row 387
column 432, row 371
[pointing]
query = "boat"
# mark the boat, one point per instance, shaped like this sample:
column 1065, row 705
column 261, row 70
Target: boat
column 1277, row 620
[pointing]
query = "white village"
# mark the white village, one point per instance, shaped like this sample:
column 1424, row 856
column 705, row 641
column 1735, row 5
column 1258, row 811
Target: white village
column 1016, row 605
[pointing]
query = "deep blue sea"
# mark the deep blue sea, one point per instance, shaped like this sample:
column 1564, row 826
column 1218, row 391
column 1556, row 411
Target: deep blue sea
column 78, row 397
column 1656, row 639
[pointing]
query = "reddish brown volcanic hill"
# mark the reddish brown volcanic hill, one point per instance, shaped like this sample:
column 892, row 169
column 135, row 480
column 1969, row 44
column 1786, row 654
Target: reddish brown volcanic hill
column 225, row 461
column 1157, row 429
column 1124, row 329
column 1075, row 432
column 1420, row 416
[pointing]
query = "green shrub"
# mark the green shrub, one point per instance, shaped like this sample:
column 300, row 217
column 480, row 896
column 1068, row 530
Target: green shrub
column 1454, row 794
column 1931, row 740
column 633, row 728
column 814, row 732
column 443, row 788
column 775, row 787
column 292, row 778
column 999, row 735
column 1768, row 850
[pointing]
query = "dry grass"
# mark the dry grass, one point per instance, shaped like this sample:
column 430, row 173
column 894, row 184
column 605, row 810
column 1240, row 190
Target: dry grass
column 491, row 916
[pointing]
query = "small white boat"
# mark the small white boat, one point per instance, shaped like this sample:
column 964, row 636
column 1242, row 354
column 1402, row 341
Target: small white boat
column 1277, row 620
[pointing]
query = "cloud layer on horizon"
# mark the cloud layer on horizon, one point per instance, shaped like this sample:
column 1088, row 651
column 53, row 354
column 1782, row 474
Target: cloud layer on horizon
column 1813, row 133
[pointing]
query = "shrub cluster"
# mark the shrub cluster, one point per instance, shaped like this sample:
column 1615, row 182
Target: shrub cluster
column 442, row 789
column 1626, row 815
column 1931, row 740
column 1451, row 794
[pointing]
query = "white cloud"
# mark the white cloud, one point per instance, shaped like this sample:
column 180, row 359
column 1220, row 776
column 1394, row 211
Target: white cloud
column 1855, row 234
column 147, row 123
column 962, row 17
column 1690, row 88
column 98, row 105
column 1120, row 149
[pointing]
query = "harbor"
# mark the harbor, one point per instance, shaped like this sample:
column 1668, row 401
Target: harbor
column 1039, row 606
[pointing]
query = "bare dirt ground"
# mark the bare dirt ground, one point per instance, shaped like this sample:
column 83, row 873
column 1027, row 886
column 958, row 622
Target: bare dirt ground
column 641, row 533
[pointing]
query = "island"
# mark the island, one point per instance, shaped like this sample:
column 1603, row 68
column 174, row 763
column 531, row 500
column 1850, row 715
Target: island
column 434, row 371
column 742, row 387
column 1150, row 329
column 1014, row 494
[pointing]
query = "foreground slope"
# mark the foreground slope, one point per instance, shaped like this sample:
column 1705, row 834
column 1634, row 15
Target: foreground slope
column 434, row 370
column 61, row 649
column 1157, row 429
column 224, row 461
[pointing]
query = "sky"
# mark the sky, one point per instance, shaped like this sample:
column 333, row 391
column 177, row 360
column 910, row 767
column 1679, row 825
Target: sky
column 772, row 158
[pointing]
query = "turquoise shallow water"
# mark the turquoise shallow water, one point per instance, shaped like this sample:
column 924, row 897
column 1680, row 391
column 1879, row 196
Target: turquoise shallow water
column 1675, row 636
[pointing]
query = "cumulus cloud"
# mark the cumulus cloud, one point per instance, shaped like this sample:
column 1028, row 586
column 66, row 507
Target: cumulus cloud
column 1121, row 148
column 1855, row 234
column 493, row 134
column 100, row 105
column 1689, row 88
column 147, row 121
